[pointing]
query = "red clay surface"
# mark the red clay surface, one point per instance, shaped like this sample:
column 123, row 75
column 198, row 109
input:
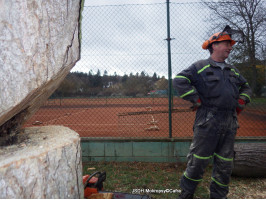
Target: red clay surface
column 100, row 118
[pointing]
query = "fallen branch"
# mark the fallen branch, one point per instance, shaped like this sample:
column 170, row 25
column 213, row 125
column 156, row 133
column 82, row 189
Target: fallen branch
column 154, row 112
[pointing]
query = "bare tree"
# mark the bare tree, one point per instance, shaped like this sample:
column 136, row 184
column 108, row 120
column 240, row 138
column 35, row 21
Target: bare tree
column 248, row 16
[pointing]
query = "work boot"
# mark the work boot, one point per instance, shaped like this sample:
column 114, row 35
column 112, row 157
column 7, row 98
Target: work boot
column 185, row 195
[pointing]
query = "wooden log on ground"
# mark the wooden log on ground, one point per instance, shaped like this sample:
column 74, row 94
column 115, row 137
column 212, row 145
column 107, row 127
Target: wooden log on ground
column 45, row 163
column 250, row 160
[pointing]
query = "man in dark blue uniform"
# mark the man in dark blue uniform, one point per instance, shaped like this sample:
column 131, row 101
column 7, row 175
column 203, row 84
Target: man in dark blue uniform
column 219, row 93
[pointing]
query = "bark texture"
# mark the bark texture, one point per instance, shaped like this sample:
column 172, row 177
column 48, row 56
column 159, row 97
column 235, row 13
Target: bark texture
column 39, row 46
column 250, row 160
column 45, row 164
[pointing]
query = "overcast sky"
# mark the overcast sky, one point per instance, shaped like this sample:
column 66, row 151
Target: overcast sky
column 125, row 39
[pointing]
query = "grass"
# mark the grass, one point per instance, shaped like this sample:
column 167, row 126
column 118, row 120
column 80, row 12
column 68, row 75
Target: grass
column 257, row 103
column 125, row 177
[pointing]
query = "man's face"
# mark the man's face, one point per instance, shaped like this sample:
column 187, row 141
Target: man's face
column 222, row 49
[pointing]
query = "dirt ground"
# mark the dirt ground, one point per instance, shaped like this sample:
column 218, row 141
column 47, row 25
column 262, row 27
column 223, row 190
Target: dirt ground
column 132, row 117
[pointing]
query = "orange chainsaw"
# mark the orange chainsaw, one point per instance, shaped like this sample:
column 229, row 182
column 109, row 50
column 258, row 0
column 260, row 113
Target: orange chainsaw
column 93, row 189
column 93, row 183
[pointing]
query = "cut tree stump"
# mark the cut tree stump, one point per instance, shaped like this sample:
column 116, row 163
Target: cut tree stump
column 250, row 160
column 45, row 163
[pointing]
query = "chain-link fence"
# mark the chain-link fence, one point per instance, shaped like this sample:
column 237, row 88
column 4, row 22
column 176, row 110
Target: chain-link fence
column 120, row 86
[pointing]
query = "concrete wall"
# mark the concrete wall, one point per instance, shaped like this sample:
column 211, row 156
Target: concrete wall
column 150, row 150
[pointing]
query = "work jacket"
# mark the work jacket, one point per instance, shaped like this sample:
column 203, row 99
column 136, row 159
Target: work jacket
column 214, row 86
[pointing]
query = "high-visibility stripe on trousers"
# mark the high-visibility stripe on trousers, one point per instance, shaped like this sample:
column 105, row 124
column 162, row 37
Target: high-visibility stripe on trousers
column 214, row 136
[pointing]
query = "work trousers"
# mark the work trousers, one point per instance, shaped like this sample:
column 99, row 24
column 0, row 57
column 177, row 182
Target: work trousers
column 214, row 137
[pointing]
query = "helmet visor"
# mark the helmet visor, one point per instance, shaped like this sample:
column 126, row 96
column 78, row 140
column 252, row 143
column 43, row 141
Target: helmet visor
column 237, row 35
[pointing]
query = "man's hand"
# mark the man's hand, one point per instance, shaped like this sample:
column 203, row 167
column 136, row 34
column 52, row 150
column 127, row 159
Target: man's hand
column 195, row 105
column 240, row 106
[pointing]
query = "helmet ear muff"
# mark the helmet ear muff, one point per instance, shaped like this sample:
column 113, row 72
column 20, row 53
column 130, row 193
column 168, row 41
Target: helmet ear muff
column 210, row 47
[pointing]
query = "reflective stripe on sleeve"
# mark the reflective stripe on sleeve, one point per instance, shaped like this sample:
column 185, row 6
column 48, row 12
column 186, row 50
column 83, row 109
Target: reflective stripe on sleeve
column 244, row 94
column 233, row 70
column 187, row 93
column 202, row 69
column 184, row 78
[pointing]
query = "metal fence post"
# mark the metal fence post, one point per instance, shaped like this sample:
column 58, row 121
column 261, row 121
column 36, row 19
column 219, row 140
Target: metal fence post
column 118, row 89
column 169, row 69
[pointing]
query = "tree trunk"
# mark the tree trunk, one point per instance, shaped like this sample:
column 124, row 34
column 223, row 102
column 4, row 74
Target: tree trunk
column 250, row 160
column 39, row 46
column 46, row 163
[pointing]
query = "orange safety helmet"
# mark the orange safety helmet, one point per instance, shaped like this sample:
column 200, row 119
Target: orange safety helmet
column 218, row 37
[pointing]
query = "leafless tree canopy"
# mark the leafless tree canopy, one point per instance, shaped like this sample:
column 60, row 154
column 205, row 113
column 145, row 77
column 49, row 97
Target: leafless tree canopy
column 248, row 16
